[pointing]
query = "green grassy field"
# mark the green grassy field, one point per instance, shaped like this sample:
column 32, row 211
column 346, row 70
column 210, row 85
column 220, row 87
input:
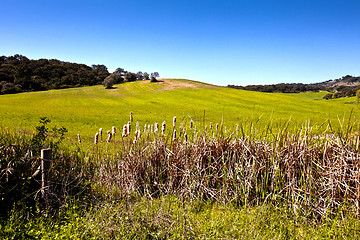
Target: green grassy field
column 85, row 110
column 135, row 215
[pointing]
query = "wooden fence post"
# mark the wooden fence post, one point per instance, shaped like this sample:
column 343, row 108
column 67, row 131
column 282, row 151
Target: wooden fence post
column 46, row 159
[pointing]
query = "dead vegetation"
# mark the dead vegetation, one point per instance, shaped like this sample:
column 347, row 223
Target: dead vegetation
column 316, row 175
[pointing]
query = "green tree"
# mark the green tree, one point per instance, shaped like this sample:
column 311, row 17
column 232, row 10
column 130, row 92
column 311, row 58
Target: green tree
column 146, row 76
column 328, row 96
column 99, row 68
column 153, row 76
column 120, row 71
column 112, row 79
column 130, row 77
column 139, row 75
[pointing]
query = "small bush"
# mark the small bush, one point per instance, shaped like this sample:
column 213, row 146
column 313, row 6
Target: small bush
column 328, row 96
column 112, row 79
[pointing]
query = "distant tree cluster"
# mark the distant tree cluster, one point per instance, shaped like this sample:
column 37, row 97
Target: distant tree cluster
column 20, row 74
column 281, row 87
column 346, row 86
column 342, row 91
column 121, row 76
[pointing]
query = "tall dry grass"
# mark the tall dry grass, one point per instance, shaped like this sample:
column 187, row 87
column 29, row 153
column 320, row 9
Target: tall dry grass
column 316, row 175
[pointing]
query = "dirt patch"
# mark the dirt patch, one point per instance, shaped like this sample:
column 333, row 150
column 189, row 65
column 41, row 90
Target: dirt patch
column 172, row 84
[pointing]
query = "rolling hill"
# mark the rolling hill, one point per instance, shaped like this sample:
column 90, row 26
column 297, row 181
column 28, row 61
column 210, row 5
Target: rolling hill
column 84, row 110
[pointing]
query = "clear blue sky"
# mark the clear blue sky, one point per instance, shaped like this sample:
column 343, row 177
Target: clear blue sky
column 215, row 41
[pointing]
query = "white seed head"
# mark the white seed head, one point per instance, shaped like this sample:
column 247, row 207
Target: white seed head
column 79, row 138
column 135, row 136
column 124, row 133
column 131, row 117
column 96, row 140
column 163, row 128
column 138, row 135
column 113, row 130
column 191, row 124
column 174, row 121
column 128, row 128
column 174, row 135
column 156, row 129
column 109, row 137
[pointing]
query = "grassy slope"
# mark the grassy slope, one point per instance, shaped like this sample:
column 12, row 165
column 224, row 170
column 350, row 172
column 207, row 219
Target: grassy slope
column 84, row 110
column 87, row 109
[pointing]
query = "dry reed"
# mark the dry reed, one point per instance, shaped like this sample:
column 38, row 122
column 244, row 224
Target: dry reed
column 315, row 175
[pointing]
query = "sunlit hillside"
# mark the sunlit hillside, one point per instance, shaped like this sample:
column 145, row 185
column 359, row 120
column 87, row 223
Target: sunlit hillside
column 84, row 110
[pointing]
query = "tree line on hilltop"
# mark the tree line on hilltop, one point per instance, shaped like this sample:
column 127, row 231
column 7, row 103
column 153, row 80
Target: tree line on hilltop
column 20, row 74
column 346, row 86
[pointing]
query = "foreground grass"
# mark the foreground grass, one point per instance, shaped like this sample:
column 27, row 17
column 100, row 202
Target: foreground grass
column 113, row 212
column 85, row 110
column 170, row 218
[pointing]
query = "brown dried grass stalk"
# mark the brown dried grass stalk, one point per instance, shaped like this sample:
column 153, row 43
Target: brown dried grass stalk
column 315, row 175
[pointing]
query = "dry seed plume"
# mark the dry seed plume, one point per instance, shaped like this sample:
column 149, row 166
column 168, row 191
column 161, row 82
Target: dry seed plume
column 156, row 129
column 138, row 134
column 174, row 135
column 128, row 128
column 125, row 131
column 131, row 117
column 79, row 138
column 96, row 140
column 113, row 130
column 109, row 136
column 100, row 131
column 174, row 121
column 191, row 124
column 163, row 128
